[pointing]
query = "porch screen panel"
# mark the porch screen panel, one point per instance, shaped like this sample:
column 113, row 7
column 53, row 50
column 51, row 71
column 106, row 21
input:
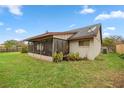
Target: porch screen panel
column 30, row 47
column 43, row 47
column 47, row 47
column 65, row 47
column 60, row 46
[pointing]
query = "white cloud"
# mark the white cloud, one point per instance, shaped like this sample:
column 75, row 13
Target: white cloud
column 14, row 9
column 112, row 14
column 20, row 31
column 110, row 28
column 1, row 23
column 87, row 10
column 8, row 29
column 106, row 34
column 72, row 25
column 16, row 39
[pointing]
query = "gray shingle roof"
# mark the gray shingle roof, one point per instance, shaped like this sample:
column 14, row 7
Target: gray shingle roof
column 87, row 31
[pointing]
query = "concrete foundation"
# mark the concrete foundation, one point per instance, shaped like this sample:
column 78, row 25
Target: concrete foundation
column 42, row 57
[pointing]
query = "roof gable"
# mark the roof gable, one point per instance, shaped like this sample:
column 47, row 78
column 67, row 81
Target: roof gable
column 89, row 31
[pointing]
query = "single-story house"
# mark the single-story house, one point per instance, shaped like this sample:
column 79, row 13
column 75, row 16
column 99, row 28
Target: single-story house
column 2, row 45
column 86, row 41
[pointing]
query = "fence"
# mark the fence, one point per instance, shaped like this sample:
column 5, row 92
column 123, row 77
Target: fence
column 120, row 48
column 10, row 49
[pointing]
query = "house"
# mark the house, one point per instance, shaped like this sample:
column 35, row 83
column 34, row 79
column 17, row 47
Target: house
column 2, row 45
column 86, row 41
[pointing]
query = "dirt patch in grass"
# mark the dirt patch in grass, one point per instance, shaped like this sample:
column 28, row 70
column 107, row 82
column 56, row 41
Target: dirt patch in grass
column 118, row 80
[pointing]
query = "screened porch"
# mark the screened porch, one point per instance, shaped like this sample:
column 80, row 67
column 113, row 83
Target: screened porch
column 48, row 46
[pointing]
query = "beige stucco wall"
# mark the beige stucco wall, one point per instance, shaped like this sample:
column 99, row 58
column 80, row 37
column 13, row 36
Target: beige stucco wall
column 65, row 36
column 87, row 51
column 97, row 45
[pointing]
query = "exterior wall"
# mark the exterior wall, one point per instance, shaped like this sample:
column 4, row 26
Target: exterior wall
column 120, row 48
column 42, row 57
column 65, row 36
column 90, row 51
column 96, row 46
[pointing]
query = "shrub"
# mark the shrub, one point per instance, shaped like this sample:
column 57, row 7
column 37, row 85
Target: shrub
column 73, row 56
column 121, row 56
column 24, row 49
column 85, row 58
column 58, row 57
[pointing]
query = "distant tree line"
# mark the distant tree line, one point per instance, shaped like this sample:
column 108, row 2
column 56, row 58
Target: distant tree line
column 111, row 41
column 14, row 44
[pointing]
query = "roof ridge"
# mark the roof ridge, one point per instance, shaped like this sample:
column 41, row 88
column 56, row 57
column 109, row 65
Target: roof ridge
column 77, row 32
column 83, row 27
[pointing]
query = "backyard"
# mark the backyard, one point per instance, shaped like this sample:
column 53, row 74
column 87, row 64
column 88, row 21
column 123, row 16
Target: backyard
column 21, row 71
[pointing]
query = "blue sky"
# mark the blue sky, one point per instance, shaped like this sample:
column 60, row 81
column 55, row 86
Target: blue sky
column 20, row 22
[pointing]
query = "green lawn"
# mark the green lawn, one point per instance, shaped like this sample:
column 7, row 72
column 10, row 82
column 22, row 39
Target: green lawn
column 20, row 70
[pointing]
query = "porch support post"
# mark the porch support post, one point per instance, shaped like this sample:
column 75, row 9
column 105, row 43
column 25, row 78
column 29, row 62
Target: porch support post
column 53, row 46
column 33, row 47
column 28, row 46
column 40, row 48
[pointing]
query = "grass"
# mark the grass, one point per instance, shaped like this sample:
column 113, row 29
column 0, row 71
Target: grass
column 19, row 70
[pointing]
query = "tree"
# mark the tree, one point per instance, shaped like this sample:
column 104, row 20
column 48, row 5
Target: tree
column 14, row 44
column 10, row 43
column 111, row 42
column 116, row 39
column 107, row 41
column 18, row 45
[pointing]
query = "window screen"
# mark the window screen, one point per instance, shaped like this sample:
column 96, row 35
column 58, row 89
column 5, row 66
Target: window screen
column 84, row 43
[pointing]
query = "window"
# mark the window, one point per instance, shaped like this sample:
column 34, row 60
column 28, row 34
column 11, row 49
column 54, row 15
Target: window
column 84, row 43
